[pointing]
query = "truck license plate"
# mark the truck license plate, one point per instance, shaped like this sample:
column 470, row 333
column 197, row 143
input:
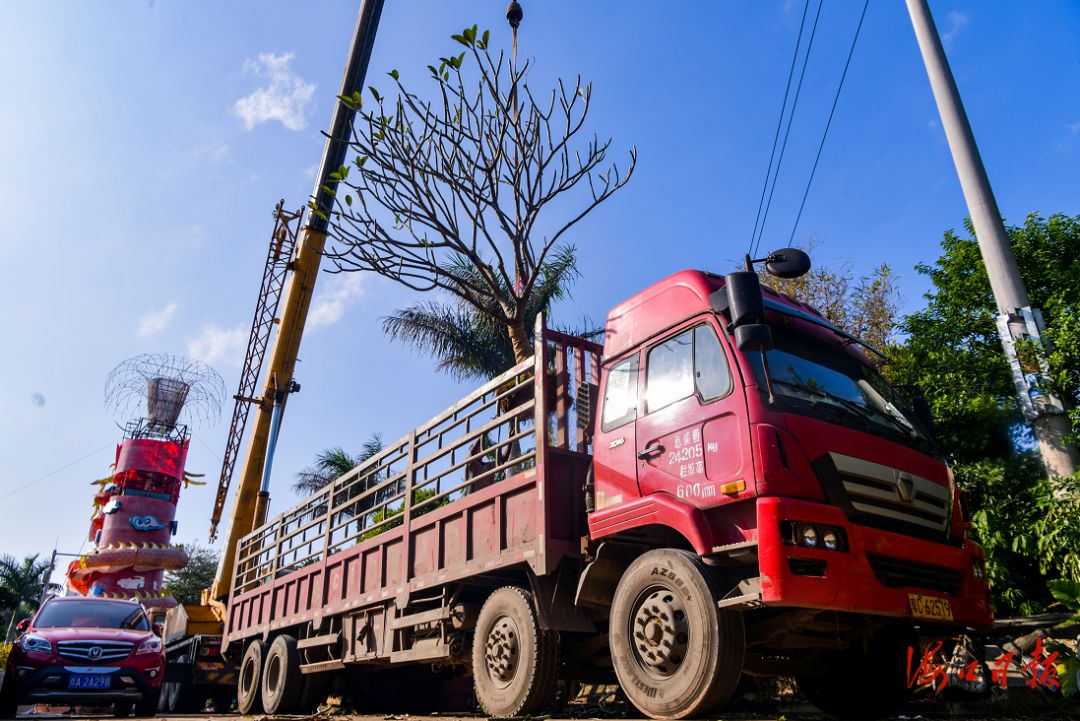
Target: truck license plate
column 931, row 608
column 84, row 681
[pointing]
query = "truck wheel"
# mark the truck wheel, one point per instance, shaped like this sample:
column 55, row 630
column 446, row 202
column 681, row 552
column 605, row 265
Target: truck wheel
column 248, row 687
column 863, row 683
column 282, row 680
column 675, row 653
column 515, row 662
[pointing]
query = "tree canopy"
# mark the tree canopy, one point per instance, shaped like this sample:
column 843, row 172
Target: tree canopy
column 951, row 349
column 473, row 189
column 186, row 584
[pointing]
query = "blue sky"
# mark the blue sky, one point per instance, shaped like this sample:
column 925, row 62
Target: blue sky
column 143, row 147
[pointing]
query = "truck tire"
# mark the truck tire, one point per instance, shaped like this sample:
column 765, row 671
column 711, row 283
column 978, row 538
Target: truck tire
column 863, row 683
column 675, row 653
column 515, row 663
column 249, row 683
column 282, row 680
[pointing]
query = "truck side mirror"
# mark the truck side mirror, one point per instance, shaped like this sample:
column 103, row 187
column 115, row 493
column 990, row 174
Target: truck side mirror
column 158, row 630
column 22, row 625
column 747, row 308
column 787, row 263
column 921, row 406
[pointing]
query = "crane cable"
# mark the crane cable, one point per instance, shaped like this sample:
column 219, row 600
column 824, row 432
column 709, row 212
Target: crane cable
column 836, row 99
column 779, row 124
column 787, row 130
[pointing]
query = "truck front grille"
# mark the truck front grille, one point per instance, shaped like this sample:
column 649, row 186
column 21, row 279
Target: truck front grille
column 899, row 573
column 95, row 650
column 885, row 494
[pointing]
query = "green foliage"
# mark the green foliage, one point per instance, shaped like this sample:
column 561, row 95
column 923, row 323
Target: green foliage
column 331, row 463
column 25, row 581
column 5, row 651
column 1027, row 523
column 186, row 584
column 394, row 514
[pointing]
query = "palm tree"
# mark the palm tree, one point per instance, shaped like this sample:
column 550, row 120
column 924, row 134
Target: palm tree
column 25, row 582
column 469, row 343
column 332, row 463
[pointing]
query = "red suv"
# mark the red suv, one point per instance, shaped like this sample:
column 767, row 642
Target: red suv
column 85, row 651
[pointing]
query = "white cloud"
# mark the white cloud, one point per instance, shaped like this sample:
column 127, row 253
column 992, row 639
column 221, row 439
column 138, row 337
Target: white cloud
column 155, row 321
column 338, row 294
column 286, row 98
column 955, row 23
column 217, row 345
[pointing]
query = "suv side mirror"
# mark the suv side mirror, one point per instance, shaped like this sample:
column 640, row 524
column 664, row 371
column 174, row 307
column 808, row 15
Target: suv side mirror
column 22, row 625
column 747, row 308
column 158, row 630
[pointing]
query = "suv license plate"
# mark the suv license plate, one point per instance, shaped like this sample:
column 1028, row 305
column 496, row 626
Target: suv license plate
column 84, row 681
column 931, row 608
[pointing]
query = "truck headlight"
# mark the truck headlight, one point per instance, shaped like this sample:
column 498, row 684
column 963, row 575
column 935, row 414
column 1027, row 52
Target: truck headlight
column 33, row 642
column 809, row 536
column 829, row 540
column 978, row 568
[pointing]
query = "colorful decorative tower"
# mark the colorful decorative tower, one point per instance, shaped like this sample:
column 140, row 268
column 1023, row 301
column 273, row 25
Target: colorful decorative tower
column 135, row 507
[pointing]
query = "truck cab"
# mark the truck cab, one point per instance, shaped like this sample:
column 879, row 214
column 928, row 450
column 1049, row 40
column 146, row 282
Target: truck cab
column 790, row 467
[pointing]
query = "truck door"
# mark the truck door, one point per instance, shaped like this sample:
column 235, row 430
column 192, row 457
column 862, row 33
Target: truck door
column 614, row 463
column 693, row 435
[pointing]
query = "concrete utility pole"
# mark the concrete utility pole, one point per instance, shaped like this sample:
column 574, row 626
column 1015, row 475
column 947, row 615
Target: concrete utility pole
column 1017, row 320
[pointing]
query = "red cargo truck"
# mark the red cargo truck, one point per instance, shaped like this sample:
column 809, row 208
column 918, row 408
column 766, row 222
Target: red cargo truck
column 726, row 487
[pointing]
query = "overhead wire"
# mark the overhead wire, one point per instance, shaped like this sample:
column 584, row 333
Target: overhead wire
column 787, row 130
column 26, row 485
column 779, row 122
column 825, row 133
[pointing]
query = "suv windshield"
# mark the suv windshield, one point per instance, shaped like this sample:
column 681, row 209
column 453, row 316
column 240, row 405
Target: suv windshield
column 819, row 375
column 92, row 614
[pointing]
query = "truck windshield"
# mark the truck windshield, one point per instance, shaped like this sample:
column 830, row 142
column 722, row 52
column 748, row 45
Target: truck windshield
column 816, row 374
column 92, row 614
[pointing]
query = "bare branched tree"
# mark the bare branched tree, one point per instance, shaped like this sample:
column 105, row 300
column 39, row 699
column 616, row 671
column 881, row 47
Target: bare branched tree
column 456, row 192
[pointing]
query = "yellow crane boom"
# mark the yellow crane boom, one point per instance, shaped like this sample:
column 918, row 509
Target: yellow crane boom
column 252, row 492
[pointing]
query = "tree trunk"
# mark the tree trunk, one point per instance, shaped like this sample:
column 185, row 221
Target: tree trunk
column 519, row 340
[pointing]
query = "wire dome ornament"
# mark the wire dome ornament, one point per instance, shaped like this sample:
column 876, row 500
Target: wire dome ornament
column 168, row 390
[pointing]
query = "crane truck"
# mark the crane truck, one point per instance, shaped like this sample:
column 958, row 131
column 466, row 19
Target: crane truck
column 726, row 487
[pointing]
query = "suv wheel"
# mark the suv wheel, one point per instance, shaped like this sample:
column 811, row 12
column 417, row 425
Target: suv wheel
column 147, row 705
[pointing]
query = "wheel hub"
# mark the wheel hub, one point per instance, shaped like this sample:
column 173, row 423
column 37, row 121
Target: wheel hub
column 660, row 631
column 501, row 650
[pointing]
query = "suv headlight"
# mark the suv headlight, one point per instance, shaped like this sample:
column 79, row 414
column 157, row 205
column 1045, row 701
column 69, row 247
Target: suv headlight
column 150, row 645
column 33, row 642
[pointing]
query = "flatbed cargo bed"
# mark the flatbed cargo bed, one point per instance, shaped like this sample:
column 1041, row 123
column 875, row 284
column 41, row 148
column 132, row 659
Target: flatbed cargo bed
column 485, row 490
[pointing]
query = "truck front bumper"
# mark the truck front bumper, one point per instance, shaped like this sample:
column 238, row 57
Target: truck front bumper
column 877, row 573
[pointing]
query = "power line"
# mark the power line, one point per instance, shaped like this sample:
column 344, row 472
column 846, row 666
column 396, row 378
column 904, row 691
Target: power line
column 828, row 124
column 779, row 122
column 53, row 473
column 787, row 130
